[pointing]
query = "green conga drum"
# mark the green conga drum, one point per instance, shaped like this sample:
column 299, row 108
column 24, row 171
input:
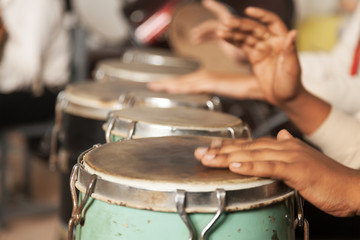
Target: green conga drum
column 154, row 188
column 81, row 110
column 140, row 122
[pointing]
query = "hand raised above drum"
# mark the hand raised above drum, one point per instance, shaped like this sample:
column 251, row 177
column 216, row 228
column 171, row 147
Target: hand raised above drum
column 207, row 31
column 325, row 183
column 271, row 51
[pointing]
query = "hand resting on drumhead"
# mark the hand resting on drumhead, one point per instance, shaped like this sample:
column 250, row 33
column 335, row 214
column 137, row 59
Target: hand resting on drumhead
column 324, row 182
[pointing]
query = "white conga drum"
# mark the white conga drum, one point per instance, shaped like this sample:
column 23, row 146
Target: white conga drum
column 114, row 69
column 81, row 110
column 154, row 188
column 144, row 65
column 159, row 57
column 141, row 122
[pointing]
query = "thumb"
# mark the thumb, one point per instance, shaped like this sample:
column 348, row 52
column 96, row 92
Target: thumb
column 289, row 43
column 284, row 135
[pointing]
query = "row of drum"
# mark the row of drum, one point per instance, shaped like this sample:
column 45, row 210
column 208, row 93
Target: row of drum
column 127, row 155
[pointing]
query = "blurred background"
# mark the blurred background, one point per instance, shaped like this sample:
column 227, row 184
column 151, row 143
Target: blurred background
column 105, row 29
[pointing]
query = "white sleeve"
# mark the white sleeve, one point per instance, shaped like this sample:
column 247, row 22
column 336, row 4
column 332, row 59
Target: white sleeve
column 330, row 83
column 31, row 25
column 339, row 138
column 327, row 75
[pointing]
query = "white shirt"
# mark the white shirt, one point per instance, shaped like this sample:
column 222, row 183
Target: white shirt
column 339, row 138
column 37, row 52
column 327, row 75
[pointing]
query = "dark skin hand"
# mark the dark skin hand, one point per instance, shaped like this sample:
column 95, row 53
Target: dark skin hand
column 324, row 182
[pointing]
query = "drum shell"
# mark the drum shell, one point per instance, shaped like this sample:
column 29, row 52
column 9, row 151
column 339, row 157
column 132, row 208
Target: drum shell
column 107, row 221
column 78, row 133
column 81, row 128
column 119, row 194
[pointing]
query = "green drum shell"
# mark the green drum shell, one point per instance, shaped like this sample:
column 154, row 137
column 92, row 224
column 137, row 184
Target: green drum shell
column 128, row 203
column 113, row 222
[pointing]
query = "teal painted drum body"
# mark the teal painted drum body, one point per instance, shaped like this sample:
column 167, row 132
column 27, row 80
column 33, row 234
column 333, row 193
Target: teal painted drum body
column 153, row 188
column 141, row 122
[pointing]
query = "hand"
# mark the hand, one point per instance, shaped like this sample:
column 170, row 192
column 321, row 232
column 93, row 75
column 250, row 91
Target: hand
column 325, row 183
column 206, row 31
column 271, row 51
column 203, row 81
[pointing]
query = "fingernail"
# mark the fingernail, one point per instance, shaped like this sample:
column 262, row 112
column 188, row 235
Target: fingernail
column 202, row 150
column 209, row 157
column 236, row 164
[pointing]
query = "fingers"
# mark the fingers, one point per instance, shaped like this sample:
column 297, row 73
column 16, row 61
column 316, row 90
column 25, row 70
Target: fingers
column 289, row 43
column 183, row 84
column 275, row 24
column 220, row 10
column 204, row 31
column 245, row 25
column 283, row 135
column 159, row 86
column 268, row 169
column 240, row 31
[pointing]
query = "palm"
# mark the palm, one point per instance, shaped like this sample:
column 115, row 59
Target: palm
column 276, row 68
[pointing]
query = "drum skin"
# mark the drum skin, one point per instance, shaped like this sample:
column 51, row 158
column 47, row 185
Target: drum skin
column 156, row 122
column 106, row 221
column 139, row 201
column 88, row 104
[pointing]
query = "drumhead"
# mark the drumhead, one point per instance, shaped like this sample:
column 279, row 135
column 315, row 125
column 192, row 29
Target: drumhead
column 154, row 122
column 114, row 69
column 209, row 54
column 147, row 172
column 95, row 100
column 158, row 56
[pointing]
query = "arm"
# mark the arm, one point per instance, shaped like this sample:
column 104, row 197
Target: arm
column 203, row 81
column 344, row 133
column 325, row 183
column 270, row 48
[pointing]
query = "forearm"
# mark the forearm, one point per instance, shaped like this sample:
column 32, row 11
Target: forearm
column 306, row 111
column 237, row 86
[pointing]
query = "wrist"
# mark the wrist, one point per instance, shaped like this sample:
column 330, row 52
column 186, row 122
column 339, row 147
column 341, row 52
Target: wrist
column 306, row 111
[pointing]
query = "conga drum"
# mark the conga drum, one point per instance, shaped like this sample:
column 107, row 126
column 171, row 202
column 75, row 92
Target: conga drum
column 154, row 188
column 141, row 122
column 160, row 57
column 82, row 109
column 142, row 67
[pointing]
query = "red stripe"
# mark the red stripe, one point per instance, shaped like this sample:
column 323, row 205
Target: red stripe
column 355, row 64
